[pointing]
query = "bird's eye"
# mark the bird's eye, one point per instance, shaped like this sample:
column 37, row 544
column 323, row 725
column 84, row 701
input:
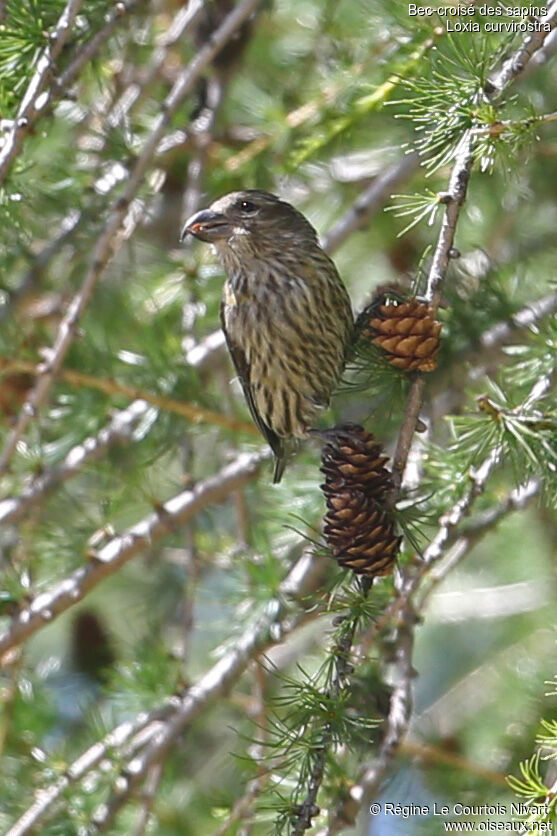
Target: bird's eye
column 246, row 206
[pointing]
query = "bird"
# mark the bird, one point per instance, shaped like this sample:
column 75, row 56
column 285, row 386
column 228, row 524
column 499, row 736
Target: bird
column 285, row 312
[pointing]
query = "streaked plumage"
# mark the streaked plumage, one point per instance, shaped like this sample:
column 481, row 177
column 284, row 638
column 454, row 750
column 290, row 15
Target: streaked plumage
column 285, row 312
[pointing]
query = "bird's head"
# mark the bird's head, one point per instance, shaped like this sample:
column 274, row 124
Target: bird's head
column 250, row 221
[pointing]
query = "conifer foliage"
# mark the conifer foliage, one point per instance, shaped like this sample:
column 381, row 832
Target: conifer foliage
column 178, row 651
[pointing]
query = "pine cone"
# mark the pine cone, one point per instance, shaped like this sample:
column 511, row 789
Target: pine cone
column 360, row 534
column 353, row 456
column 359, row 530
column 14, row 388
column 406, row 330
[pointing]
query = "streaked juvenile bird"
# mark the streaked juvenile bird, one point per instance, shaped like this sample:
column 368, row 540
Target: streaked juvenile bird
column 285, row 312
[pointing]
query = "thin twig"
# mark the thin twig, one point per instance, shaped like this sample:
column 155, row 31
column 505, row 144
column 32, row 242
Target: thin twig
column 193, row 413
column 47, row 797
column 243, row 806
column 439, row 756
column 400, row 707
column 33, row 102
column 108, row 242
column 119, row 550
column 184, row 18
column 453, row 199
column 402, row 609
column 526, row 317
column 91, row 47
column 449, row 392
column 148, row 794
column 180, row 23
column 119, row 429
column 517, row 500
column 69, row 224
column 514, row 66
column 370, row 201
column 201, row 134
column 308, row 808
column 277, row 617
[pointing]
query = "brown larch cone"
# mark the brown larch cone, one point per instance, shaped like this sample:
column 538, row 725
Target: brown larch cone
column 406, row 330
column 353, row 456
column 357, row 526
column 91, row 646
column 361, row 535
column 14, row 388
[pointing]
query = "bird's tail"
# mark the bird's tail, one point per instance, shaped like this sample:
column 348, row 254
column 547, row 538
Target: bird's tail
column 277, row 445
column 280, row 462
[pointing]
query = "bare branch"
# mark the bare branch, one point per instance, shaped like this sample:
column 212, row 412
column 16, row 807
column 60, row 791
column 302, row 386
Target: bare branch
column 33, row 102
column 119, row 550
column 206, row 354
column 119, row 429
column 401, row 610
column 437, row 755
column 108, row 242
column 68, row 226
column 453, row 199
column 526, row 317
column 201, row 133
column 76, row 771
column 370, row 201
column 91, row 47
column 278, row 617
column 181, row 22
column 517, row 500
column 192, row 412
column 148, row 794
column 517, row 63
column 243, row 806
column 412, row 411
column 400, row 708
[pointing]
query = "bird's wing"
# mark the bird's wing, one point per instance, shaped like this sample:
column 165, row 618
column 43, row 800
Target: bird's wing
column 240, row 364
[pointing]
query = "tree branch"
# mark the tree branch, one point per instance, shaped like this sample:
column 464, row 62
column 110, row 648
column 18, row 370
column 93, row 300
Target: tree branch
column 402, row 609
column 514, row 66
column 278, row 617
column 453, row 200
column 184, row 18
column 370, row 201
column 91, row 47
column 195, row 414
column 119, row 550
column 119, row 429
column 442, row 757
column 526, row 317
column 33, row 102
column 108, row 243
